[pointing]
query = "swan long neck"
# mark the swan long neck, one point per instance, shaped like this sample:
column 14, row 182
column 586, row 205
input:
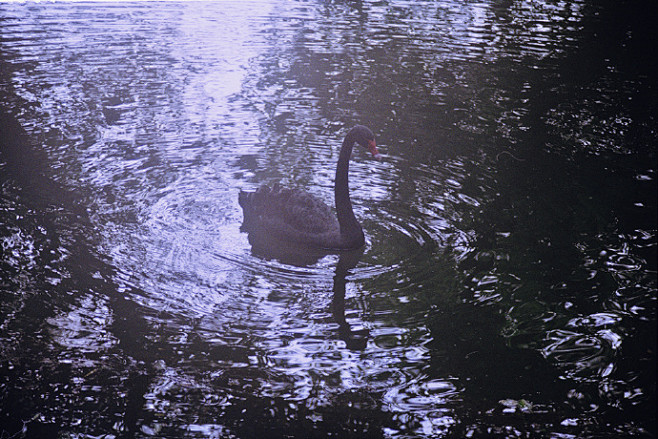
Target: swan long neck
column 350, row 229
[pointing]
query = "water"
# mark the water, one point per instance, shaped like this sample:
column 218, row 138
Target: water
column 508, row 284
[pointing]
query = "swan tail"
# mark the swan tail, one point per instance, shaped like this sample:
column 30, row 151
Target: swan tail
column 264, row 201
column 244, row 199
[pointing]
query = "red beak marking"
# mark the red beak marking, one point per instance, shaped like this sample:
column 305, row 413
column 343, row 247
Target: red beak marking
column 372, row 146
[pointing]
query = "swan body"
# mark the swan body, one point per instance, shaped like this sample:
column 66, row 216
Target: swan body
column 295, row 216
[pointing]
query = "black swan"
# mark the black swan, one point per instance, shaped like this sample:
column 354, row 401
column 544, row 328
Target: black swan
column 295, row 216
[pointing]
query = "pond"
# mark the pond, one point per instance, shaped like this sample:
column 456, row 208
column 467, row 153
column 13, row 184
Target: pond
column 507, row 287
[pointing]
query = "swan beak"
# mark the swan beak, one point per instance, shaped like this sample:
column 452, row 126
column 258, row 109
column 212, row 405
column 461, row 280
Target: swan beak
column 372, row 146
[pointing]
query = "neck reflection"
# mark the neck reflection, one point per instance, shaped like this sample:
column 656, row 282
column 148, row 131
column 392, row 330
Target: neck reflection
column 355, row 340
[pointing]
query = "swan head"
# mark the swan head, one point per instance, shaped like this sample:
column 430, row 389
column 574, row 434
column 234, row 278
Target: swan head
column 364, row 137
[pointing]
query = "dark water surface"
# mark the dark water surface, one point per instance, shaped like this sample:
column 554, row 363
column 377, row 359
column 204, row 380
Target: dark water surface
column 508, row 284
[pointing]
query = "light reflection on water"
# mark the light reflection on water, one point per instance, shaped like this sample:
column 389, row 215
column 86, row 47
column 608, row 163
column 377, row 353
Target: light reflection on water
column 495, row 269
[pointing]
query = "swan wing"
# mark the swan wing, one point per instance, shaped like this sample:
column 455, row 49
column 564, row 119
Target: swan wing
column 288, row 210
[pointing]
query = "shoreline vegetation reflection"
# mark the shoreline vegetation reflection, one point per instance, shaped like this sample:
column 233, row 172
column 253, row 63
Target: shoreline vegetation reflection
column 507, row 287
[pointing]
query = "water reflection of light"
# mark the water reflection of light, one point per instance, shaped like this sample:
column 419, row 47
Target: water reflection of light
column 84, row 328
column 216, row 65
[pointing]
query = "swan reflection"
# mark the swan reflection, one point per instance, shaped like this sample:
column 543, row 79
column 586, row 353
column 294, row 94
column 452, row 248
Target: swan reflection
column 266, row 247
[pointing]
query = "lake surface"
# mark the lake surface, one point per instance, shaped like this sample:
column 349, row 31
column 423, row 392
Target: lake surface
column 508, row 283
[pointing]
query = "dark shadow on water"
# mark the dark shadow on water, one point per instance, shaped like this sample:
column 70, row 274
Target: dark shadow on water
column 33, row 362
